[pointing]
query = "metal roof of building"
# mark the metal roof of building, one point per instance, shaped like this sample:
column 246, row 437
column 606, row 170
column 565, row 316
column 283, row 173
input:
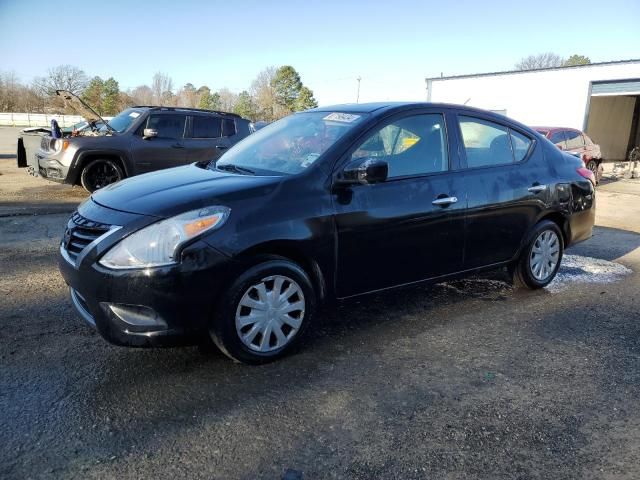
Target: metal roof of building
column 511, row 72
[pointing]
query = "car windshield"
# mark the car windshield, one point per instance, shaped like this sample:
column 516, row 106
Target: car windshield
column 288, row 146
column 122, row 121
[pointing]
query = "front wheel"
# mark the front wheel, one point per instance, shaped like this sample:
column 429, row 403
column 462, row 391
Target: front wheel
column 264, row 313
column 100, row 173
column 594, row 167
column 540, row 259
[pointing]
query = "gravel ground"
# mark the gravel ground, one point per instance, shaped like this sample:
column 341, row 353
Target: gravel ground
column 466, row 379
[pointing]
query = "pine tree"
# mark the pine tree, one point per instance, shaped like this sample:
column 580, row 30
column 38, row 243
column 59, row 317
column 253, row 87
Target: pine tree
column 245, row 106
column 286, row 85
column 110, row 97
column 93, row 94
column 305, row 100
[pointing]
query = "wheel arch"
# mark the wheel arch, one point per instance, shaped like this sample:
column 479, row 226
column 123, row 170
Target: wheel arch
column 289, row 250
column 559, row 219
column 86, row 157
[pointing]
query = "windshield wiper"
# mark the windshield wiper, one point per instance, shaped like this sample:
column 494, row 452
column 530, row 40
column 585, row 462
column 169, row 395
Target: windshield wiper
column 230, row 167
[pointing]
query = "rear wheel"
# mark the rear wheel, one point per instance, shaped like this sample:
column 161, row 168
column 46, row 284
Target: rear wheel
column 264, row 313
column 100, row 173
column 540, row 259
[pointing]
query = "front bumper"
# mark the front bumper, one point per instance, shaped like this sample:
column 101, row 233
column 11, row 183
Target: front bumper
column 158, row 306
column 161, row 306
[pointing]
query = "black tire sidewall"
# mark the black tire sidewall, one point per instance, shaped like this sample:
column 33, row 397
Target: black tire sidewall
column 524, row 274
column 87, row 168
column 222, row 328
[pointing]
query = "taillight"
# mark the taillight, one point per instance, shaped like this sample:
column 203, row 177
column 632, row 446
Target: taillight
column 588, row 174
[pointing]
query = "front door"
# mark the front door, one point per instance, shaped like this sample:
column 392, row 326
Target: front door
column 164, row 151
column 410, row 227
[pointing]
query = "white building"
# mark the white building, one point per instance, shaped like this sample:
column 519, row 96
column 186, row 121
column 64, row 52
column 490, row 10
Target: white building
column 602, row 99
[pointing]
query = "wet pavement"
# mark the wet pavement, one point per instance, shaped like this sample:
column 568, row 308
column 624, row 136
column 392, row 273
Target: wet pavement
column 464, row 379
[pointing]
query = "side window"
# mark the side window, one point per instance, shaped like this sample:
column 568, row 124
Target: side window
column 205, row 126
column 520, row 145
column 486, row 143
column 167, row 125
column 413, row 145
column 228, row 127
column 574, row 139
column 558, row 139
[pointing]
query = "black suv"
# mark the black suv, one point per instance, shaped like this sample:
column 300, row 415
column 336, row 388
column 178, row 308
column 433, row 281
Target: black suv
column 138, row 140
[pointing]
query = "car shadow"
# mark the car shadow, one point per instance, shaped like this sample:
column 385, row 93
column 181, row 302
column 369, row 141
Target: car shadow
column 607, row 244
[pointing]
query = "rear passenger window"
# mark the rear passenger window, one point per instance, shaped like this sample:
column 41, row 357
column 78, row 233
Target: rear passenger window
column 488, row 144
column 413, row 145
column 206, row 127
column 520, row 144
column 228, row 127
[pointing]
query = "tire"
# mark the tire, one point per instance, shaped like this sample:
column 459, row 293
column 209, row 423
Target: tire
column 594, row 166
column 526, row 274
column 100, row 173
column 245, row 309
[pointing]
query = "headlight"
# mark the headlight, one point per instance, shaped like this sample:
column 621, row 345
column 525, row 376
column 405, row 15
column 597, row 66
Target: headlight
column 158, row 244
column 60, row 144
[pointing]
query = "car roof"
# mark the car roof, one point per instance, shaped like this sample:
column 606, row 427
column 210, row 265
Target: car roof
column 555, row 129
column 380, row 108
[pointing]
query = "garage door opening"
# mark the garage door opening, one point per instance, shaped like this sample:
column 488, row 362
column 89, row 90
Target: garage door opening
column 612, row 119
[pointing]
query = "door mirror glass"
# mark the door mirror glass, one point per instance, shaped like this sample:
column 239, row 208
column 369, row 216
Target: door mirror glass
column 364, row 171
column 149, row 133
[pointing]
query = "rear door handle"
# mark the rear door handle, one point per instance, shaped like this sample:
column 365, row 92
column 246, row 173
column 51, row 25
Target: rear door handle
column 177, row 145
column 443, row 202
column 537, row 188
column 221, row 147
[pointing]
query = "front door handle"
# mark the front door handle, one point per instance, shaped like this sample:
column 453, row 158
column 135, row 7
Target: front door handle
column 537, row 188
column 177, row 145
column 444, row 201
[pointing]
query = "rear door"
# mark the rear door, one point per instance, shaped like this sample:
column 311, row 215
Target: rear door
column 164, row 151
column 505, row 188
column 410, row 227
column 205, row 140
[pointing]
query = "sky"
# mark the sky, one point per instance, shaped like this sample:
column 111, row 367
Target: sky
column 391, row 45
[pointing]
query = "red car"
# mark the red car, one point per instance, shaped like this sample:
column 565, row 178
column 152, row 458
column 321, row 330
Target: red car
column 576, row 143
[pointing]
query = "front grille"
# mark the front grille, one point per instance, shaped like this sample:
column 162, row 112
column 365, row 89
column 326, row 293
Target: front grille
column 80, row 232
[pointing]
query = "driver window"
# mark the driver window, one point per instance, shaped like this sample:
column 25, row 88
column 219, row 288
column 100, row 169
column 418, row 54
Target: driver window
column 413, row 145
column 167, row 125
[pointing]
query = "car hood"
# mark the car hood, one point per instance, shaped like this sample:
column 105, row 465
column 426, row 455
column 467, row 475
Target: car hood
column 74, row 102
column 169, row 192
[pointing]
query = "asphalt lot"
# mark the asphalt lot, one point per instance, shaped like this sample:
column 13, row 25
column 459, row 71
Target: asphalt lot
column 466, row 379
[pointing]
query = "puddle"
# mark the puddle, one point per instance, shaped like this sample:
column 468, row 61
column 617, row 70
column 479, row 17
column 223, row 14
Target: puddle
column 578, row 269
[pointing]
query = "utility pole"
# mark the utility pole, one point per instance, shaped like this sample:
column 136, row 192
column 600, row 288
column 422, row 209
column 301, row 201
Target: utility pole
column 358, row 94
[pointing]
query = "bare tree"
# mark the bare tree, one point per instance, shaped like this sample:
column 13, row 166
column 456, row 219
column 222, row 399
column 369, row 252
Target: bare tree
column 228, row 99
column 142, row 95
column 162, row 88
column 542, row 60
column 62, row 77
column 264, row 94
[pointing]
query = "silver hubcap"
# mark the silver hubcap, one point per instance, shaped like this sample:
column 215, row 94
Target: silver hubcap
column 544, row 255
column 270, row 313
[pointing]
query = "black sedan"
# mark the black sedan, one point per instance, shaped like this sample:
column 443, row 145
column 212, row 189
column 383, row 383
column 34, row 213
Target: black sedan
column 326, row 204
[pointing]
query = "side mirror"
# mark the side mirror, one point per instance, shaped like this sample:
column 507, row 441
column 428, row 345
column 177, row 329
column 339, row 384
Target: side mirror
column 364, row 171
column 149, row 133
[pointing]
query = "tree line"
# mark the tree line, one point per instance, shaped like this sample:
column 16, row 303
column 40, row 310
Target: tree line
column 273, row 94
